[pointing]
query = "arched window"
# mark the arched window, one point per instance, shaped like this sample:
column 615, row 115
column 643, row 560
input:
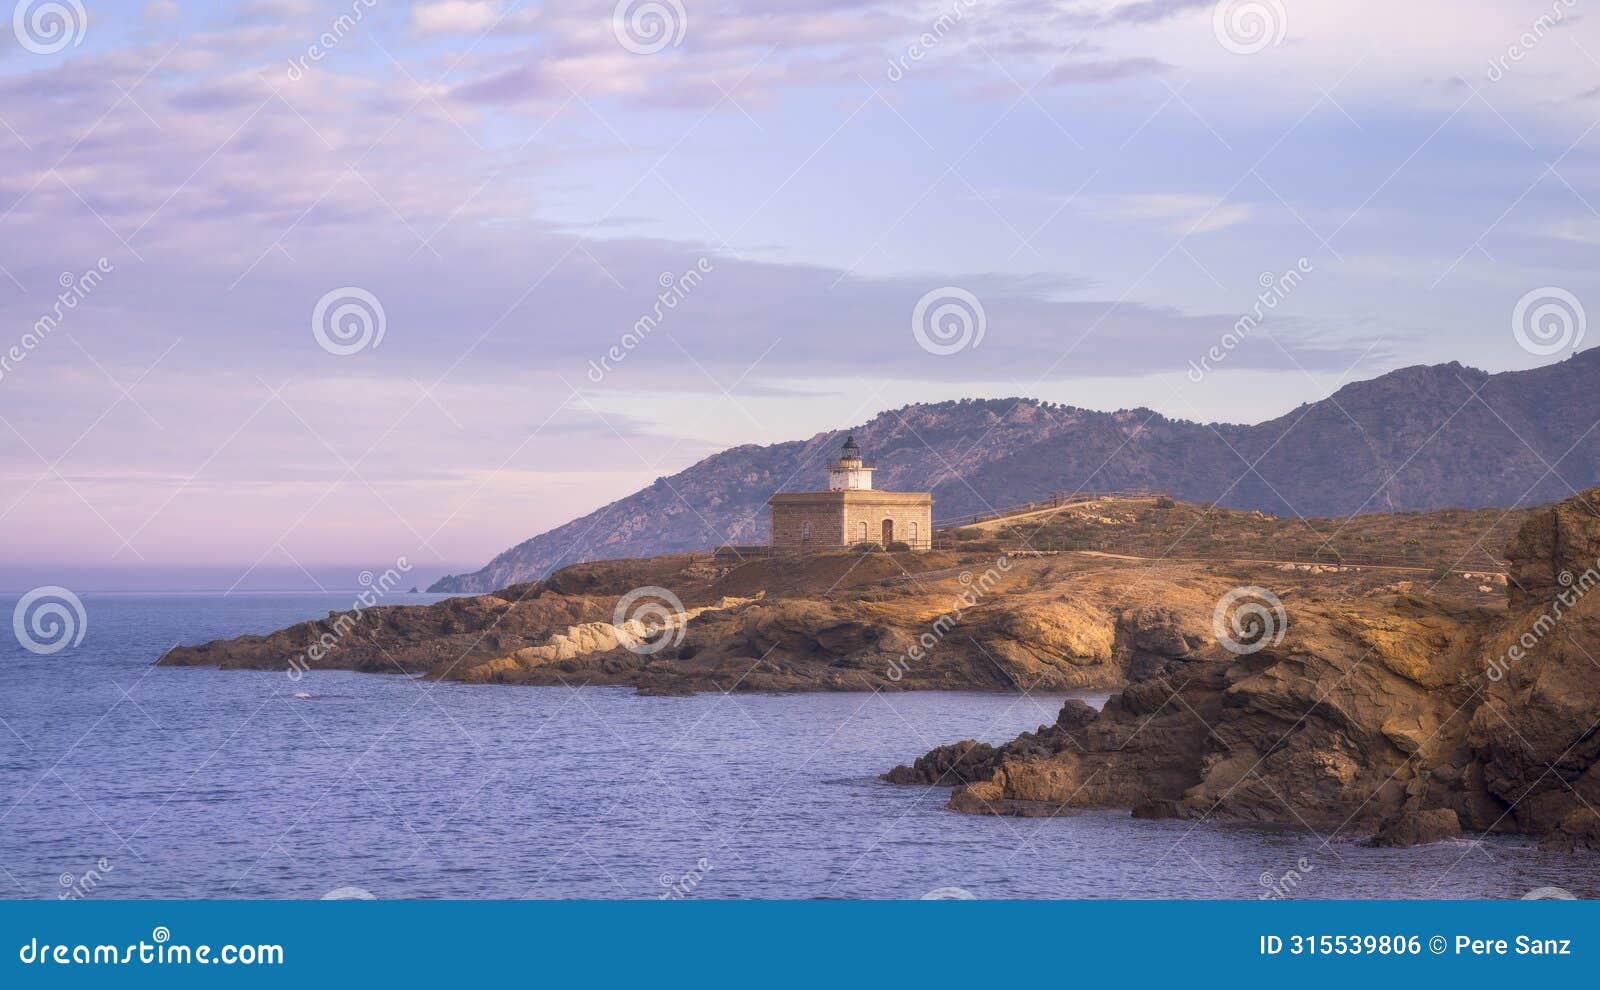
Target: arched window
column 805, row 532
column 861, row 532
column 912, row 532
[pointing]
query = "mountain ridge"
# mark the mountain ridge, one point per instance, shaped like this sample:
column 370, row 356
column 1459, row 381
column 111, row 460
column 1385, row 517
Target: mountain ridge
column 1416, row 438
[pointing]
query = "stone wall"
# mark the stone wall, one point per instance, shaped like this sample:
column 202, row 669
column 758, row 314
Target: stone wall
column 905, row 515
column 788, row 524
column 836, row 517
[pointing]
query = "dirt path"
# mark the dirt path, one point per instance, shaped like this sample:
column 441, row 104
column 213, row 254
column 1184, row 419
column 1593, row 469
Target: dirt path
column 1269, row 561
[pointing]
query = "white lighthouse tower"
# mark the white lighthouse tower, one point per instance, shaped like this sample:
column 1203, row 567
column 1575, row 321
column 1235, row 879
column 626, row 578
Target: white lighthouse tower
column 848, row 473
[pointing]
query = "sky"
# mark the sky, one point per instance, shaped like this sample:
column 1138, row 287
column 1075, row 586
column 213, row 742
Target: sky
column 288, row 287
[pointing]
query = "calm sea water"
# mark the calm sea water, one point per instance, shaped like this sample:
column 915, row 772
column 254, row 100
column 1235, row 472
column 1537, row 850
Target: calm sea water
column 196, row 783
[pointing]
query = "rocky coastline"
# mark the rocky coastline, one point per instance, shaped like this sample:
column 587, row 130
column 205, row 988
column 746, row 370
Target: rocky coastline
column 1403, row 705
column 1424, row 718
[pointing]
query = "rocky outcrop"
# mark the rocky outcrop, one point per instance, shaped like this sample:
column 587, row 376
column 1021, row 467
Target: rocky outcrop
column 969, row 761
column 1412, row 715
column 424, row 639
column 1537, row 728
column 974, row 619
column 824, row 622
column 1418, row 828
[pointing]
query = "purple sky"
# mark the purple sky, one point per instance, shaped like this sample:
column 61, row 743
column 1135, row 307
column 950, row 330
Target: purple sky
column 184, row 184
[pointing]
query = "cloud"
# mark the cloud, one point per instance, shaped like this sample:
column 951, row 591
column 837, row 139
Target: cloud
column 1108, row 71
column 455, row 17
column 489, row 185
column 250, row 11
column 1182, row 213
column 1575, row 229
column 161, row 10
column 1151, row 11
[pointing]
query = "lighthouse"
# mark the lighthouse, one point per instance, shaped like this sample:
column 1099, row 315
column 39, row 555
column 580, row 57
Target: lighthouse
column 851, row 513
column 849, row 473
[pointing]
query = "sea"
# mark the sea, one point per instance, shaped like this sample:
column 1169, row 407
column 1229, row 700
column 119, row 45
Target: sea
column 120, row 779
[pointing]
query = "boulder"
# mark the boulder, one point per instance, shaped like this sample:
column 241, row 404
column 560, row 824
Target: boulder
column 1416, row 828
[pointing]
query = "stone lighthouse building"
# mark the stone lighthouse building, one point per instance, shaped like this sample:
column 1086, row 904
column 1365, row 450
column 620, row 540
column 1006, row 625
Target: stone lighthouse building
column 851, row 511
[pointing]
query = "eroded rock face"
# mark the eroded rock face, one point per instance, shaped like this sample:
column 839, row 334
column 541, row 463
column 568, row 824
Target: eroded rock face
column 1413, row 715
column 1560, row 539
column 1318, row 730
column 1535, row 729
column 824, row 622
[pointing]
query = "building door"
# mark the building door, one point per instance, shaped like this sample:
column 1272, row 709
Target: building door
column 888, row 531
column 861, row 533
